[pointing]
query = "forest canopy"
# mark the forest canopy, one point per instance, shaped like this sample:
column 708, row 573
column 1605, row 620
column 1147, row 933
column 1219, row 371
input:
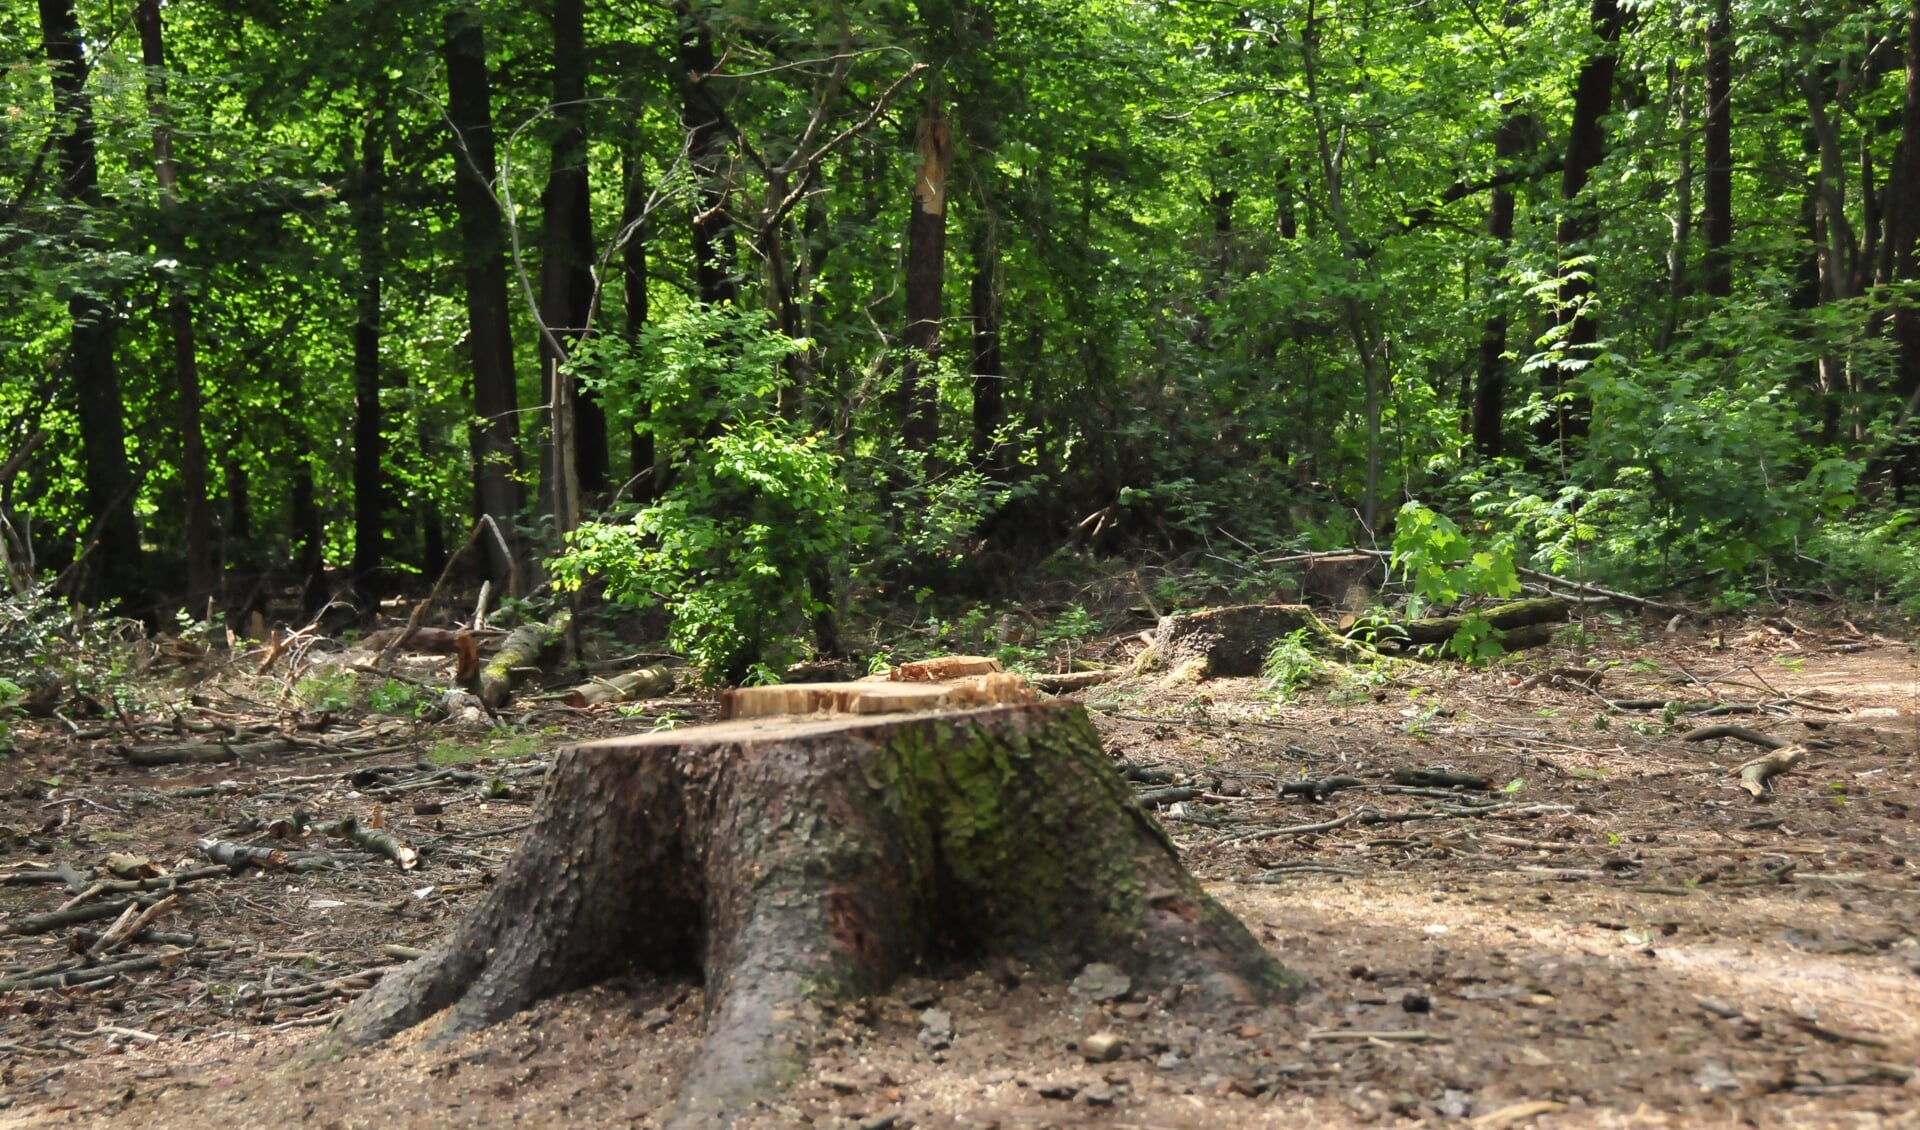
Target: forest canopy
column 747, row 309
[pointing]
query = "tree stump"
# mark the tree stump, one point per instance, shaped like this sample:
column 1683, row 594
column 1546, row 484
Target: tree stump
column 1234, row 642
column 782, row 860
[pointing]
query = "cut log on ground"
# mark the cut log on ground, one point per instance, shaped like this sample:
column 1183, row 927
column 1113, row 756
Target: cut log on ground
column 1076, row 680
column 1508, row 618
column 1234, row 642
column 522, row 648
column 797, row 859
column 647, row 682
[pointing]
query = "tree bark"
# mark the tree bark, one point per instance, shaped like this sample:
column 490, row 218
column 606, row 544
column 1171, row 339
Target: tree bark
column 115, row 570
column 795, row 861
column 1510, row 141
column 1903, row 233
column 195, row 518
column 493, row 436
column 984, row 301
column 926, row 276
column 1580, row 222
column 707, row 141
column 368, row 206
column 633, row 281
column 1716, row 219
column 566, row 281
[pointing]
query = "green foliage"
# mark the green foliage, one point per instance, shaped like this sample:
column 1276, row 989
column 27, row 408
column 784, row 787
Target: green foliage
column 1443, row 565
column 1291, row 666
column 328, row 689
column 755, row 516
column 1070, row 629
column 391, row 696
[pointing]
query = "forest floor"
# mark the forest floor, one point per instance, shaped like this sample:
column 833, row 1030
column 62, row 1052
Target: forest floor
column 1614, row 934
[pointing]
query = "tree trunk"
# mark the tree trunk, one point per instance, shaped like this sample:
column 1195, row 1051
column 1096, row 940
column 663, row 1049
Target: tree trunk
column 494, row 435
column 310, row 533
column 368, row 206
column 1716, row 220
column 566, row 281
column 115, row 568
column 926, row 277
column 1579, row 223
column 706, row 128
column 1510, row 140
column 1903, row 233
column 989, row 379
column 1679, row 284
column 791, row 861
column 633, row 279
column 195, row 520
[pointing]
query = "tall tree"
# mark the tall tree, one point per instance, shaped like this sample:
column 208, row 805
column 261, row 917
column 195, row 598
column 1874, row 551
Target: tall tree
column 707, row 143
column 926, row 272
column 576, row 468
column 1510, row 141
column 1716, row 219
column 1580, row 220
column 114, row 537
column 633, row 292
column 493, row 436
column 367, row 202
column 195, row 520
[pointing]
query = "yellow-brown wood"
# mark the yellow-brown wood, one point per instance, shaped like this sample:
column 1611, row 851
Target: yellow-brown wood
column 995, row 689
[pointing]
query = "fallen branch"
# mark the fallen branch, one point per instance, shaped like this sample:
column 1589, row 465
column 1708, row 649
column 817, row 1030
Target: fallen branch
column 239, row 857
column 1610, row 594
column 1757, row 776
column 129, row 926
column 376, row 840
column 1509, row 619
column 1708, row 733
column 647, row 682
column 522, row 648
column 1320, row 788
column 202, row 753
column 1075, row 680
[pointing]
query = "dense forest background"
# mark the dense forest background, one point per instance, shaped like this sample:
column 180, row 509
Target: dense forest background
column 753, row 310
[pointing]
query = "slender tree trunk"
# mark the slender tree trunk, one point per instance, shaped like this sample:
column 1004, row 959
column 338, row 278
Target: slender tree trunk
column 1510, row 140
column 310, row 533
column 115, row 567
column 1903, row 233
column 989, row 377
column 926, row 276
column 1716, row 220
column 566, row 279
column 1579, row 223
column 1679, row 282
column 633, row 292
column 707, row 145
column 369, row 221
column 195, row 518
column 493, row 436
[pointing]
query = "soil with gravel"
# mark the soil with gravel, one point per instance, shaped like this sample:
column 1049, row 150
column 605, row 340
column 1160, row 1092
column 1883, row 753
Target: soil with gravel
column 1610, row 933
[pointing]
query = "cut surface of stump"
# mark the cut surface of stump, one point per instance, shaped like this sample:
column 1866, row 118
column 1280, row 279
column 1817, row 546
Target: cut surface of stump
column 788, row 860
column 1233, row 642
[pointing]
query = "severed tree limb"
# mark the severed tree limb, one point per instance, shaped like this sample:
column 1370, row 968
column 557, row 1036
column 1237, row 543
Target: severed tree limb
column 1610, row 594
column 1755, row 737
column 1757, row 776
column 377, row 840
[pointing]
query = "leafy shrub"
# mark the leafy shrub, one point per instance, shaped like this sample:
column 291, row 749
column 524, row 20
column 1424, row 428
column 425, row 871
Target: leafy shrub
column 1291, row 666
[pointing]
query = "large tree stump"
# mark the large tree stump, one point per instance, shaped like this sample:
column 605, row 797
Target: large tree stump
column 787, row 859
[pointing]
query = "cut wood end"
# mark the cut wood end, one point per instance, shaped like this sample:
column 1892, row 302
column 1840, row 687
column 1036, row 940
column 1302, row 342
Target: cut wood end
column 943, row 668
column 996, row 689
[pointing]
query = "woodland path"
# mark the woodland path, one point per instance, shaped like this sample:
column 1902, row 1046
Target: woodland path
column 1632, row 939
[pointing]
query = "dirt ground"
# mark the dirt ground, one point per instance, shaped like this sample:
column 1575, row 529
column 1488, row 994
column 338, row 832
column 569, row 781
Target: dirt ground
column 1613, row 934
